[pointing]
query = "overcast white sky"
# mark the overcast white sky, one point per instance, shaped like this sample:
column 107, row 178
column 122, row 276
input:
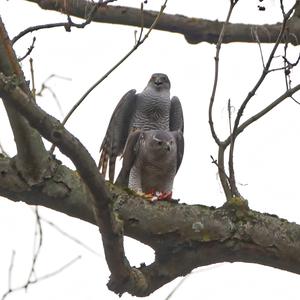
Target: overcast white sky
column 267, row 154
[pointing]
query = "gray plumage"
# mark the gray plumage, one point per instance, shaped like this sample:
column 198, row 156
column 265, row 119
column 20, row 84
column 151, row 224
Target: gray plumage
column 152, row 109
column 151, row 160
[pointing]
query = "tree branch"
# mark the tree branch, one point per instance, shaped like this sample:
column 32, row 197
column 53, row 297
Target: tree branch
column 31, row 151
column 123, row 277
column 250, row 95
column 195, row 30
column 284, row 96
column 221, row 166
column 67, row 25
column 195, row 234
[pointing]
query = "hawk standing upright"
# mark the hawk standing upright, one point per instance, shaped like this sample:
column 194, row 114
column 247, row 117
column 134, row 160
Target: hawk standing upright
column 152, row 109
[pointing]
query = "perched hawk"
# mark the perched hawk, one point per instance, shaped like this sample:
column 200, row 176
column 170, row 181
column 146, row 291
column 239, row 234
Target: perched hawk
column 150, row 109
column 150, row 162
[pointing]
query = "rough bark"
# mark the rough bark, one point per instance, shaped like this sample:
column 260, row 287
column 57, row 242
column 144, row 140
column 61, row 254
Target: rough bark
column 195, row 30
column 195, row 234
column 31, row 151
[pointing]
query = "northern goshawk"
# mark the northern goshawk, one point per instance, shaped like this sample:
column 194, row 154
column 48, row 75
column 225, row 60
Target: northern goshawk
column 151, row 160
column 152, row 109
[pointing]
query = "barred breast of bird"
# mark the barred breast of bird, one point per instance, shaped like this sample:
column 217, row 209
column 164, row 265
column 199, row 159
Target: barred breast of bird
column 152, row 179
column 152, row 111
column 152, row 172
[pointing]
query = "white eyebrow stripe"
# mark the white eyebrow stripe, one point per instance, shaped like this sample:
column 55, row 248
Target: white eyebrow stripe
column 156, row 139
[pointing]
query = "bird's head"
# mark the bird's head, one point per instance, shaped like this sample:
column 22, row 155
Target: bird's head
column 160, row 81
column 159, row 143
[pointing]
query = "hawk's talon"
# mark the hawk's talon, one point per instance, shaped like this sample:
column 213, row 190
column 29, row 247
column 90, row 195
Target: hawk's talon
column 158, row 196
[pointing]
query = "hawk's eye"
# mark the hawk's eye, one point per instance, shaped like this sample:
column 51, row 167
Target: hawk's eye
column 159, row 143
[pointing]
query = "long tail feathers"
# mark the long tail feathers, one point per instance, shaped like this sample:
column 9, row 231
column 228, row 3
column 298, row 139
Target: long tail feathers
column 112, row 166
column 102, row 166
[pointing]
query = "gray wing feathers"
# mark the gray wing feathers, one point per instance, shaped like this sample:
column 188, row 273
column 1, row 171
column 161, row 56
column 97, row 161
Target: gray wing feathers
column 176, row 115
column 178, row 135
column 117, row 133
column 129, row 157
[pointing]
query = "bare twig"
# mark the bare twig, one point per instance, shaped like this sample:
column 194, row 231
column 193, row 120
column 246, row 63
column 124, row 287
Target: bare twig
column 256, row 37
column 240, row 112
column 178, row 286
column 282, row 8
column 203, row 269
column 11, row 266
column 38, row 279
column 221, row 168
column 264, row 111
column 66, row 25
column 38, row 241
column 2, row 151
column 29, row 50
column 44, row 87
column 33, row 90
column 213, row 94
column 229, row 110
column 139, row 42
column 74, row 239
column 39, row 27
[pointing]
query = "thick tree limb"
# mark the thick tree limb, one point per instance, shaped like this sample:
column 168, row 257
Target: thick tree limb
column 123, row 277
column 195, row 30
column 195, row 234
column 31, row 151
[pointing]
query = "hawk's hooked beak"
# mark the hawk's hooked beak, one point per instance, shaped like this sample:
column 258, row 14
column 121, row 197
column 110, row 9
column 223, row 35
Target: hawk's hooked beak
column 158, row 82
column 167, row 147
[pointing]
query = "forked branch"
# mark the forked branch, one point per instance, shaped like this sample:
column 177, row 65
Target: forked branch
column 250, row 95
column 221, row 166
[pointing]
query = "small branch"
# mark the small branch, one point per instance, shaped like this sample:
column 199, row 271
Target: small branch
column 38, row 236
column 2, row 151
column 222, row 173
column 66, row 25
column 264, row 111
column 72, row 238
column 213, row 93
column 221, row 167
column 29, row 50
column 33, row 90
column 31, row 282
column 246, row 101
column 229, row 110
column 139, row 42
column 177, row 286
column 39, row 27
column 203, row 269
column 256, row 37
column 11, row 266
column 44, row 87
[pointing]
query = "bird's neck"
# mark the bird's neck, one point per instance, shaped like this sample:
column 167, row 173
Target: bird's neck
column 156, row 93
